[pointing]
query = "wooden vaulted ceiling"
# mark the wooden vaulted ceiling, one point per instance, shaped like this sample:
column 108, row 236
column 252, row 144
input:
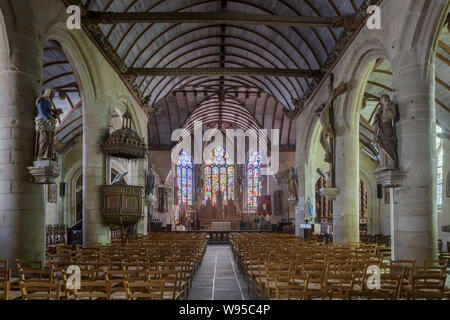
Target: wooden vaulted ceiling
column 240, row 101
column 270, row 99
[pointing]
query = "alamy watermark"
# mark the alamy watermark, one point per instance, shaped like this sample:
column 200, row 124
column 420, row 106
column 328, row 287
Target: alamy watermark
column 374, row 280
column 73, row 22
column 74, row 279
column 374, row 20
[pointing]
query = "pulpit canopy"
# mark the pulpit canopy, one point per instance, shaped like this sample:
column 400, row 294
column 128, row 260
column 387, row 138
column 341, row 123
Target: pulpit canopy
column 125, row 143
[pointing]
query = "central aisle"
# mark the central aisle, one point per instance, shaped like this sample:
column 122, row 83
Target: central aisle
column 218, row 277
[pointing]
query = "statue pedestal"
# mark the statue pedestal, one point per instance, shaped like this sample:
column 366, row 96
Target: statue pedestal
column 390, row 178
column 330, row 193
column 45, row 171
column 292, row 201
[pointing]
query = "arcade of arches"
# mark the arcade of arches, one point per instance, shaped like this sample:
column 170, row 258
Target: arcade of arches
column 341, row 132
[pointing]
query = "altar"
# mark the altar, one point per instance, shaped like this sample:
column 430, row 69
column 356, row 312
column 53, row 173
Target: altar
column 221, row 226
column 221, row 217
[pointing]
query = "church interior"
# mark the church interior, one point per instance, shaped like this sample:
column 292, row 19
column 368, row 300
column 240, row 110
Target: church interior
column 224, row 150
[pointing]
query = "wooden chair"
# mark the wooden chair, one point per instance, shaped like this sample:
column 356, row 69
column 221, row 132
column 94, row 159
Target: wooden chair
column 390, row 288
column 93, row 290
column 5, row 276
column 150, row 290
column 40, row 290
column 427, row 286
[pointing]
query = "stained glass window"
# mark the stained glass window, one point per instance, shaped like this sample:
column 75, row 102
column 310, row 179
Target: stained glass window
column 184, row 179
column 254, row 187
column 219, row 176
column 440, row 160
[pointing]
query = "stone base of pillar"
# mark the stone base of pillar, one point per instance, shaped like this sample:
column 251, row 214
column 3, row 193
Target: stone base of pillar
column 390, row 178
column 45, row 171
column 330, row 193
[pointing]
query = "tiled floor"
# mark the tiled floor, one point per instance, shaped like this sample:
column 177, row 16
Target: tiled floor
column 218, row 277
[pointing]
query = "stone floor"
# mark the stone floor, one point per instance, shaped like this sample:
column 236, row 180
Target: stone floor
column 218, row 277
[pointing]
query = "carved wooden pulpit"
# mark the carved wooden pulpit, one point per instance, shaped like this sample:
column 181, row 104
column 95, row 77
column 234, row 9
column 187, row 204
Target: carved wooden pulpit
column 123, row 205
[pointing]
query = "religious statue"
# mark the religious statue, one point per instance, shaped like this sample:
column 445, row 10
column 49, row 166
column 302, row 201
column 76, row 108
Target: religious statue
column 385, row 135
column 292, row 183
column 45, row 123
column 199, row 187
column 309, row 211
column 324, row 114
column 239, row 190
column 149, row 181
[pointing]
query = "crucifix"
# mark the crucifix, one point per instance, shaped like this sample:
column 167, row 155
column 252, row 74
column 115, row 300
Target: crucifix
column 326, row 117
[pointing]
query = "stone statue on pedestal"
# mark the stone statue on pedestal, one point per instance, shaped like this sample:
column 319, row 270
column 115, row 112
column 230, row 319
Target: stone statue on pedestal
column 385, row 133
column 45, row 126
column 45, row 168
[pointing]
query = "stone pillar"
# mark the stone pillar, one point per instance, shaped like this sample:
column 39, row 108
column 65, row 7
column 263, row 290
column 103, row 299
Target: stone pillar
column 139, row 172
column 95, row 128
column 444, row 217
column 346, row 205
column 415, row 229
column 300, row 206
column 22, row 215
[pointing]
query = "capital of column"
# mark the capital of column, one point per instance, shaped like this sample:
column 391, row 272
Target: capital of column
column 390, row 178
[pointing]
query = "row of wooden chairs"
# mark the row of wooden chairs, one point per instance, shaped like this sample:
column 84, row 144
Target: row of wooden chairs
column 287, row 267
column 157, row 266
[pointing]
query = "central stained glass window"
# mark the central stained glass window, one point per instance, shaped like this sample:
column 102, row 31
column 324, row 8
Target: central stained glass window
column 219, row 176
column 184, row 179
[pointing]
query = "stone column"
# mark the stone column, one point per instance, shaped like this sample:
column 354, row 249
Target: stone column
column 346, row 205
column 95, row 128
column 22, row 215
column 444, row 217
column 300, row 206
column 139, row 173
column 415, row 234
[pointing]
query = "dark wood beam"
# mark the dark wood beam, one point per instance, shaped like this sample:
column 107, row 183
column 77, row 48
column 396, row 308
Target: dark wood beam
column 180, row 72
column 235, row 18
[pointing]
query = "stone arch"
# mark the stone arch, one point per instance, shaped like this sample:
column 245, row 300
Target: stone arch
column 367, row 177
column 74, row 53
column 70, row 201
column 423, row 26
column 5, row 53
column 357, row 74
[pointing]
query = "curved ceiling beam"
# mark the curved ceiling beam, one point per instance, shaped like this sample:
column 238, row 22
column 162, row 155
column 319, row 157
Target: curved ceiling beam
column 214, row 103
column 193, row 50
column 282, row 83
column 203, row 64
column 197, row 29
column 61, row 75
column 313, row 8
column 231, row 37
column 210, row 79
column 227, row 84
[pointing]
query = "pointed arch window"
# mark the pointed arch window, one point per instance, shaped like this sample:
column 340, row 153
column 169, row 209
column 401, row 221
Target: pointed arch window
column 253, row 180
column 184, row 179
column 219, row 176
